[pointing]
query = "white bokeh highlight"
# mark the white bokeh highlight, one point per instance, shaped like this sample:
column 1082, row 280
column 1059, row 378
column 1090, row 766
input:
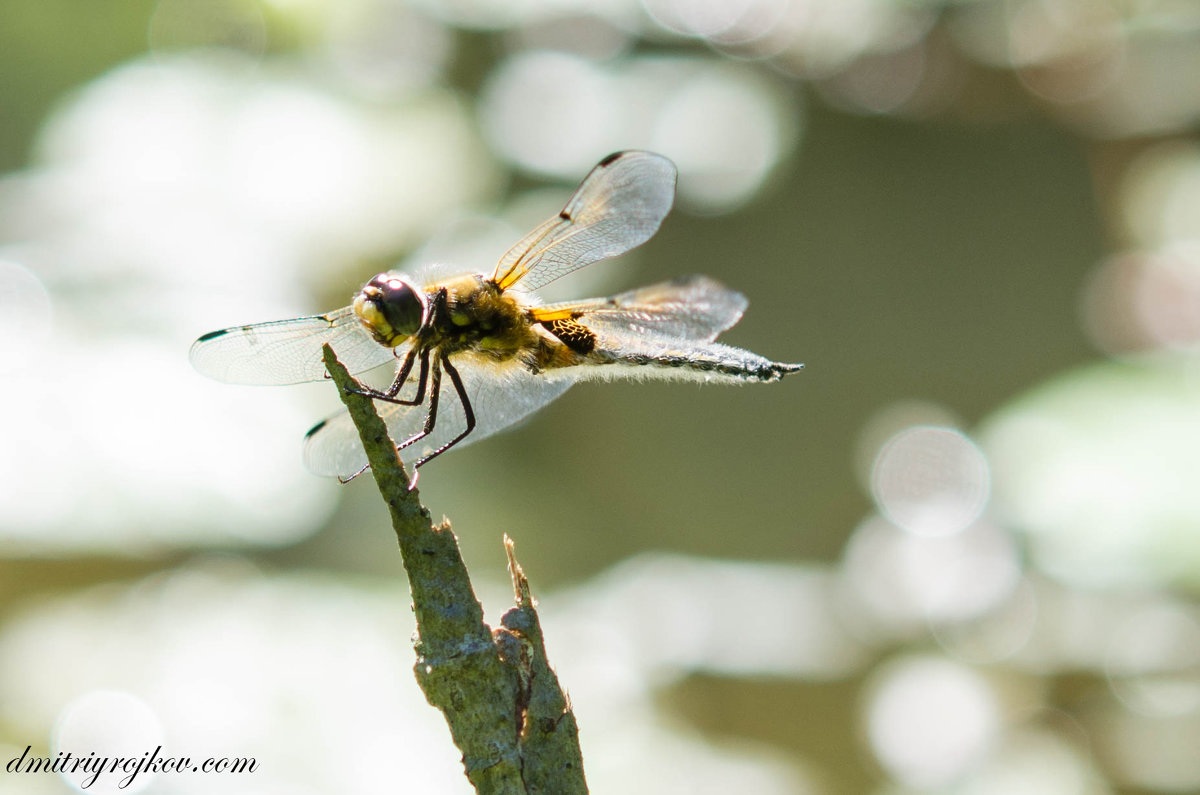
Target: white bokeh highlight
column 930, row 721
column 931, row 481
column 1097, row 469
column 111, row 724
column 898, row 583
column 725, row 125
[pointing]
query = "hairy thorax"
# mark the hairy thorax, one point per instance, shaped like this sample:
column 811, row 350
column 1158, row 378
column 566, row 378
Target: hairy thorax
column 480, row 319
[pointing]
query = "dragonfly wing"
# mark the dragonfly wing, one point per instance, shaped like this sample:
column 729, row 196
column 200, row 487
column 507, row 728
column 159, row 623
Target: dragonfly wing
column 287, row 351
column 688, row 308
column 618, row 206
column 500, row 396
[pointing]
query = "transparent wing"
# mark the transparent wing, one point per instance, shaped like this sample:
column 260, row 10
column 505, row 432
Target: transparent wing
column 287, row 351
column 618, row 206
column 688, row 308
column 500, row 396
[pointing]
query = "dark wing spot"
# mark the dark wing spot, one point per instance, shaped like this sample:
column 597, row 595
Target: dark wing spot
column 212, row 335
column 566, row 216
column 573, row 334
column 315, row 428
column 608, row 160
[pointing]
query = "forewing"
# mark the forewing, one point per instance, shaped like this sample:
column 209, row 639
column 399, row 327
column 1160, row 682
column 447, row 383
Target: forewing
column 287, row 351
column 694, row 308
column 500, row 397
column 618, row 206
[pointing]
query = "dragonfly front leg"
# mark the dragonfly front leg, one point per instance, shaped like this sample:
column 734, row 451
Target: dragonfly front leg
column 389, row 394
column 422, row 379
column 455, row 379
column 435, row 391
column 430, row 417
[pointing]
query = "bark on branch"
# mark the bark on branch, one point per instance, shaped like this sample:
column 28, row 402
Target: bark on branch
column 506, row 711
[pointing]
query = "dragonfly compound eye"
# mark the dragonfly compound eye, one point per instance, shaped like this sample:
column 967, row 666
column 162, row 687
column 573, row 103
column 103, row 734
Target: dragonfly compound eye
column 391, row 308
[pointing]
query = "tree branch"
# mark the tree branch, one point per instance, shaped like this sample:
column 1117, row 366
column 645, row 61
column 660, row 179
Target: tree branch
column 506, row 710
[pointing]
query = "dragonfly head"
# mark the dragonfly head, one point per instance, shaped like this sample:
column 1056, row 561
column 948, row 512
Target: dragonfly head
column 391, row 308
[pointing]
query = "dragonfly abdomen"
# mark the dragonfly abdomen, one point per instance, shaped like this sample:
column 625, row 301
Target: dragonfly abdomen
column 702, row 362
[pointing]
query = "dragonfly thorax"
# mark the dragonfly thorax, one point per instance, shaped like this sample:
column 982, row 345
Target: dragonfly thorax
column 391, row 308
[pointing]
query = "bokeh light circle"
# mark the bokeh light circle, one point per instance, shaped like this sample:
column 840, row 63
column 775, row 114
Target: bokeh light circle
column 931, row 481
column 110, row 723
column 930, row 720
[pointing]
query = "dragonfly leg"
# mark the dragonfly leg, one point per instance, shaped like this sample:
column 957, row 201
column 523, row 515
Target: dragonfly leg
column 344, row 481
column 435, row 391
column 430, row 417
column 401, row 377
column 389, row 395
column 455, row 379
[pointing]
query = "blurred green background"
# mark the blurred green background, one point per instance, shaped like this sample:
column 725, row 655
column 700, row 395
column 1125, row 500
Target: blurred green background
column 959, row 553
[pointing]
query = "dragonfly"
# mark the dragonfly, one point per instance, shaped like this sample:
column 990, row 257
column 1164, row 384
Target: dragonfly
column 475, row 353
